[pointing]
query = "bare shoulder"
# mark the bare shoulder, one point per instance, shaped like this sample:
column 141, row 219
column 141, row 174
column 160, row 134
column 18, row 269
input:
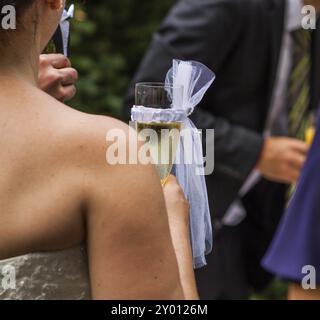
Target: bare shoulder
column 92, row 135
column 87, row 142
column 78, row 135
column 106, row 145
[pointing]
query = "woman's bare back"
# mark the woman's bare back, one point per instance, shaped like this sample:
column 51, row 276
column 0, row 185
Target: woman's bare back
column 40, row 190
column 57, row 191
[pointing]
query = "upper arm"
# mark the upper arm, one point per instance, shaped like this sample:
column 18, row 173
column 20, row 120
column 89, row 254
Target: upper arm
column 130, row 250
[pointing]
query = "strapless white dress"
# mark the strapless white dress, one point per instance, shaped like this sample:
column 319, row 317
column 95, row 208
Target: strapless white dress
column 61, row 275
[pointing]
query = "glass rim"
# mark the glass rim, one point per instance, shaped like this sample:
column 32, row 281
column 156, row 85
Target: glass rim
column 155, row 85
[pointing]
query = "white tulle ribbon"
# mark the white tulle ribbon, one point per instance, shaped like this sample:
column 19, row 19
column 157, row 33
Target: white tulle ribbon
column 149, row 115
column 195, row 78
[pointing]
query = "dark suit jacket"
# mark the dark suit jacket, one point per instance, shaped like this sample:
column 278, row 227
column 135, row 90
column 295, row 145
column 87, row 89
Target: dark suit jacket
column 240, row 41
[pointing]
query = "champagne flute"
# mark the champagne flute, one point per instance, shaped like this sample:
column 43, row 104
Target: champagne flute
column 159, row 96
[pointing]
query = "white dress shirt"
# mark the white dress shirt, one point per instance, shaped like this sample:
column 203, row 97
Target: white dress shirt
column 277, row 119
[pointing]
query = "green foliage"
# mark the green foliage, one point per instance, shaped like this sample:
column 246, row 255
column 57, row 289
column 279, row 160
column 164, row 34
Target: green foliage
column 108, row 41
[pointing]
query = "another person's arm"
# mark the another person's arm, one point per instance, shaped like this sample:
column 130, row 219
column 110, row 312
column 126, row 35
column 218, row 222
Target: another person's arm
column 57, row 77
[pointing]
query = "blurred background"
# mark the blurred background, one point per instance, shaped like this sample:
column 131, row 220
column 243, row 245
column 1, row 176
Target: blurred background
column 108, row 40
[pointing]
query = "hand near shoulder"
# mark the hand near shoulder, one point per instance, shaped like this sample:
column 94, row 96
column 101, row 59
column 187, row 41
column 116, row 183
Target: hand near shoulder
column 57, row 77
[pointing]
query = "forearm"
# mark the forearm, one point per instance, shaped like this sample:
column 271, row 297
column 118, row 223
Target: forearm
column 182, row 246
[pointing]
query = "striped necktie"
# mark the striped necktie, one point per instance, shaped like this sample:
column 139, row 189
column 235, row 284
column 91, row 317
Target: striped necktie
column 300, row 115
column 299, row 84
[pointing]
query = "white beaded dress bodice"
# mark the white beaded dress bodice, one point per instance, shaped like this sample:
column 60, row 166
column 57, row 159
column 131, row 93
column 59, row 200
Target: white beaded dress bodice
column 61, row 275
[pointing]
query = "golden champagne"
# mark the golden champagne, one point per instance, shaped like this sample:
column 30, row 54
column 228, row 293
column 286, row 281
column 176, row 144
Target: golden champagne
column 163, row 149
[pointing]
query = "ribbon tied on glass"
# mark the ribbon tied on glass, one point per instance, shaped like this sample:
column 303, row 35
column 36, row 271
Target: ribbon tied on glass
column 164, row 108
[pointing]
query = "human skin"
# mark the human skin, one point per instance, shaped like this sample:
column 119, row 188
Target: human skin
column 57, row 191
column 296, row 292
column 57, row 77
